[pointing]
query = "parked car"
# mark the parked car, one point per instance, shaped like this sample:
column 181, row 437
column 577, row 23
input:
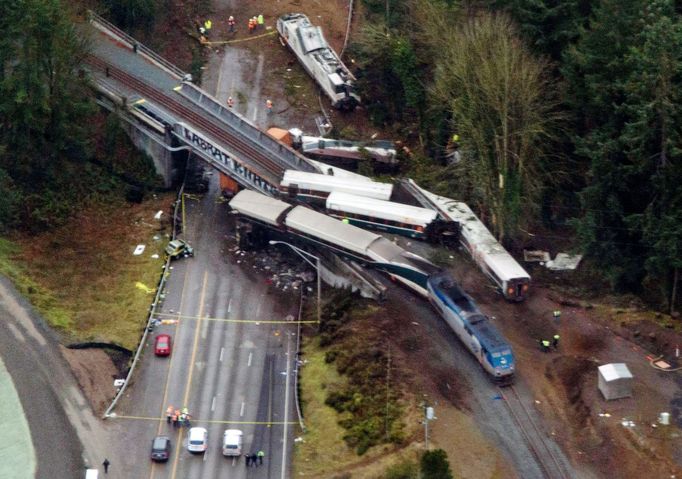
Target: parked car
column 232, row 442
column 197, row 439
column 163, row 345
column 179, row 249
column 161, row 446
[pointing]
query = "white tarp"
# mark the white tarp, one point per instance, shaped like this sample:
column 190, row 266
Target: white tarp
column 564, row 262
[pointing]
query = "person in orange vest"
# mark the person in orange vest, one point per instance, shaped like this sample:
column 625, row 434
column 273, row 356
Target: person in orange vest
column 230, row 102
column 252, row 25
column 268, row 104
column 169, row 414
column 175, row 417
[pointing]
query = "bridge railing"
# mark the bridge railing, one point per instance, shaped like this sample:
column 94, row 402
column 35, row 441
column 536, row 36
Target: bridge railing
column 276, row 150
column 110, row 28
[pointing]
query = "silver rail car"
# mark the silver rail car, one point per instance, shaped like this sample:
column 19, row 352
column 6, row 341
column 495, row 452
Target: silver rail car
column 318, row 59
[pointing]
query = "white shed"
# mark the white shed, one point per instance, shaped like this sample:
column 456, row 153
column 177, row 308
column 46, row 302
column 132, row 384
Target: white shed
column 615, row 381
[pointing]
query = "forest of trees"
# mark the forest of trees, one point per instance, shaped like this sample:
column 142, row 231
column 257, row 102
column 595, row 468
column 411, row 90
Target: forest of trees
column 568, row 116
column 57, row 151
column 567, row 113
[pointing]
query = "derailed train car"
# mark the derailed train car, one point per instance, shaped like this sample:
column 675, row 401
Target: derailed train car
column 318, row 59
column 300, row 223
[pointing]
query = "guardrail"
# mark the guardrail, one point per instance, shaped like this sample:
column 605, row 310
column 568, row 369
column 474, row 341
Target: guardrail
column 276, row 150
column 150, row 317
column 297, row 399
column 136, row 46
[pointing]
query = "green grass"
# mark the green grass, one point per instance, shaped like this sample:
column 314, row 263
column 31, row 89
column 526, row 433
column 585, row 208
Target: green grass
column 323, row 450
column 82, row 277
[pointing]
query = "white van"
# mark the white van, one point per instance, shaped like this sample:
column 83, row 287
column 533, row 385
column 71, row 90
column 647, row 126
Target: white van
column 197, row 439
column 232, row 442
column 91, row 474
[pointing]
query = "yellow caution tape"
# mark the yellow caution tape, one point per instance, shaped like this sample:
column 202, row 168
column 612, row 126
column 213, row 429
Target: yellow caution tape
column 238, row 40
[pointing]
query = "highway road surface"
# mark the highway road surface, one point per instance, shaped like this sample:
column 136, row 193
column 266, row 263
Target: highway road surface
column 232, row 363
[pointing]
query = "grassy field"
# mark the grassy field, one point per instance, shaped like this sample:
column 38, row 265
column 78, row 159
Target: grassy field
column 322, row 450
column 83, row 276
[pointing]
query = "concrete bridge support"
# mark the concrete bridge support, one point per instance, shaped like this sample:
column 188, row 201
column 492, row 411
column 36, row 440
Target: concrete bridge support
column 158, row 148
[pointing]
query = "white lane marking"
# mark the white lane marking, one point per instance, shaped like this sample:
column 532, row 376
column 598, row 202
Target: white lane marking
column 234, row 461
column 241, row 411
column 213, row 404
column 15, row 331
column 285, row 429
column 205, row 455
column 222, row 351
column 229, row 306
column 250, row 358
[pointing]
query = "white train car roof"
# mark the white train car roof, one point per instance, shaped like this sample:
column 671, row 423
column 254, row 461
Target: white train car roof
column 479, row 237
column 339, row 172
column 327, row 183
column 329, row 229
column 387, row 210
column 258, row 206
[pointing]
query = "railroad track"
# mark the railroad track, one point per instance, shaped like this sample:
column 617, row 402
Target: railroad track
column 272, row 170
column 551, row 466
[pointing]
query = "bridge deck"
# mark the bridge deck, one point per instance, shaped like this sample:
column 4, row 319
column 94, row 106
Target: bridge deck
column 120, row 64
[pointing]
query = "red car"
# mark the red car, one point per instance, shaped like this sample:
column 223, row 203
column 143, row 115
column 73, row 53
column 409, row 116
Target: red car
column 162, row 345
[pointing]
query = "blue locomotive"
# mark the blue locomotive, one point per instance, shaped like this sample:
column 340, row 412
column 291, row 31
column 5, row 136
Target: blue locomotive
column 472, row 327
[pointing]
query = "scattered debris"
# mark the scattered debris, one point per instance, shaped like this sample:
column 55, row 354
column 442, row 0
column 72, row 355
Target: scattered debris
column 139, row 250
column 282, row 272
column 535, row 256
column 157, row 216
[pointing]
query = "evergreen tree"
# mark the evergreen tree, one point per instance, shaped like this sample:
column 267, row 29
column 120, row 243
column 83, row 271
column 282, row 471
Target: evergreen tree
column 626, row 74
column 550, row 25
column 435, row 465
column 43, row 105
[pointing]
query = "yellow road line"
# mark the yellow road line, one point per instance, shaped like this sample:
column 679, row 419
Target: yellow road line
column 225, row 320
column 170, row 367
column 205, row 421
column 182, row 205
column 191, row 368
column 239, row 40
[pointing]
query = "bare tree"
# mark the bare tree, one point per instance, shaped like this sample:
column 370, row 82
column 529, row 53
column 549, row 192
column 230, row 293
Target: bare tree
column 504, row 109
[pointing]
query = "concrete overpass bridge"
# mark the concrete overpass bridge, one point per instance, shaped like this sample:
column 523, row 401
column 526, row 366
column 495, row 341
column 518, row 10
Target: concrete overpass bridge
column 166, row 113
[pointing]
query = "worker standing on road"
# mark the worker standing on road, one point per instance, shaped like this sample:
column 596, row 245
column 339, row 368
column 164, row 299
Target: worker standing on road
column 230, row 23
column 169, row 414
column 545, row 346
column 555, row 341
column 261, row 20
column 268, row 105
column 207, row 25
column 230, row 102
column 106, row 465
column 260, row 455
column 248, row 459
column 251, row 25
column 176, row 417
column 557, row 314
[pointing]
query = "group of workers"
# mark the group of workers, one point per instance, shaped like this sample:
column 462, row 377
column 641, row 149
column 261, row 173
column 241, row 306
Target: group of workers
column 256, row 22
column 254, row 459
column 545, row 344
column 178, row 417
